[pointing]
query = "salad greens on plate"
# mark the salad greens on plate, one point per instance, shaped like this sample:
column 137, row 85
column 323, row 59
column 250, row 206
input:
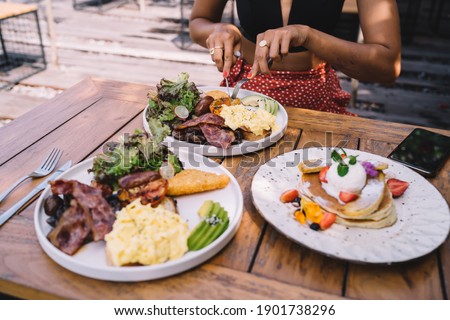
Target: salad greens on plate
column 169, row 96
column 133, row 153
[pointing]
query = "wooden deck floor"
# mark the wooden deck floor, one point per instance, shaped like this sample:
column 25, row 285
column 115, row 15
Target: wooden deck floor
column 125, row 44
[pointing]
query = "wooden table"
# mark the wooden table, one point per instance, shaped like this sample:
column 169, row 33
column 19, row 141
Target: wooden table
column 258, row 263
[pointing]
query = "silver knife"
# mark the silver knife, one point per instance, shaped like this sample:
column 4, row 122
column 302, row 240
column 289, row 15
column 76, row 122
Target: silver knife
column 10, row 212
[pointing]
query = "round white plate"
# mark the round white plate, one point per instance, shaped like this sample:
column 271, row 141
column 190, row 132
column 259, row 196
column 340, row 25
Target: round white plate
column 242, row 148
column 423, row 214
column 90, row 260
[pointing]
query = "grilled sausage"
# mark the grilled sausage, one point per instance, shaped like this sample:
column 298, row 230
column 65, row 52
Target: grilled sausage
column 139, row 178
column 202, row 106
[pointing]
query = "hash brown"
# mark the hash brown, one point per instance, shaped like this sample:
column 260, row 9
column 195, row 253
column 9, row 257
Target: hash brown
column 192, row 181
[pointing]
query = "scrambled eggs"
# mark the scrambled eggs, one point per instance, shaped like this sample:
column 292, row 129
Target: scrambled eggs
column 255, row 121
column 145, row 235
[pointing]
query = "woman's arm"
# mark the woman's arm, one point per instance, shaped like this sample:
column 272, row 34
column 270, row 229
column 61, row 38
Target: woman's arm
column 206, row 29
column 378, row 59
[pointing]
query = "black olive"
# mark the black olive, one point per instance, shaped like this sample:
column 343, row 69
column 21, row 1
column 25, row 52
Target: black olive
column 51, row 205
column 315, row 226
column 59, row 213
column 114, row 202
column 51, row 221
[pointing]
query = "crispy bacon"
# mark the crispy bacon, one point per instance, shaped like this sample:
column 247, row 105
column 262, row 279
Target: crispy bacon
column 207, row 118
column 217, row 136
column 209, row 127
column 152, row 192
column 71, row 231
column 88, row 211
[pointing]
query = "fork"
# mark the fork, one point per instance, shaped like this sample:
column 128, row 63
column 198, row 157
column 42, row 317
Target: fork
column 44, row 169
column 238, row 85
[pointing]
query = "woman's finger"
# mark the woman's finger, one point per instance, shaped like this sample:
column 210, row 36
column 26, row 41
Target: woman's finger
column 284, row 46
column 217, row 55
column 274, row 51
column 262, row 54
column 228, row 56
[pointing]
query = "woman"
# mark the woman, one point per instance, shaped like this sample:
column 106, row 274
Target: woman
column 296, row 35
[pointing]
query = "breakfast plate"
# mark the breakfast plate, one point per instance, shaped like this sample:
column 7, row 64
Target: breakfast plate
column 423, row 214
column 237, row 149
column 90, row 260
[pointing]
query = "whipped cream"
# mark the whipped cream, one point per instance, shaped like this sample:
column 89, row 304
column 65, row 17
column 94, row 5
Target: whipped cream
column 353, row 182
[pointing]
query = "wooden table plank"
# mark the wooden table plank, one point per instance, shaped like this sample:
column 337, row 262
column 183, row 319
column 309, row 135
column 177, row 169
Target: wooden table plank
column 15, row 136
column 281, row 259
column 361, row 127
column 410, row 280
column 86, row 134
column 240, row 253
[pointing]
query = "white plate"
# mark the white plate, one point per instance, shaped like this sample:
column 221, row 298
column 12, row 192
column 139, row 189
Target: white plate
column 242, row 148
column 423, row 214
column 90, row 260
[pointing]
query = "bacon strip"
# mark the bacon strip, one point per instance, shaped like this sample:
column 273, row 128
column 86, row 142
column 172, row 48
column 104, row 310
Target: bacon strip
column 89, row 214
column 207, row 118
column 217, row 136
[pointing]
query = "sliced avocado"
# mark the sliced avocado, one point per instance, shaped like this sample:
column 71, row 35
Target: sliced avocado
column 205, row 209
column 197, row 234
column 251, row 100
column 271, row 106
column 211, row 233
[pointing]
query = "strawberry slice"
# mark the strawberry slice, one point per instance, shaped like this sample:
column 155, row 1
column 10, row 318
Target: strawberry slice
column 397, row 187
column 289, row 195
column 323, row 174
column 347, row 196
column 327, row 220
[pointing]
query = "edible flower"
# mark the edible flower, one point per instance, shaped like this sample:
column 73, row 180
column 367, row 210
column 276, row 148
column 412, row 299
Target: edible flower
column 370, row 169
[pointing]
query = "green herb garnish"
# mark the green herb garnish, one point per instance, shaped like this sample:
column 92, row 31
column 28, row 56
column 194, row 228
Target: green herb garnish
column 342, row 170
column 352, row 160
column 342, row 167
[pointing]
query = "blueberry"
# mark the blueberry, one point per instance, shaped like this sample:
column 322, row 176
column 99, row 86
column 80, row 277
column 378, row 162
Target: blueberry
column 315, row 226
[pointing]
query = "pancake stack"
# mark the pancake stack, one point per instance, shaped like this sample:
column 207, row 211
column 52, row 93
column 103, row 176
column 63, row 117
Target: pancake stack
column 373, row 209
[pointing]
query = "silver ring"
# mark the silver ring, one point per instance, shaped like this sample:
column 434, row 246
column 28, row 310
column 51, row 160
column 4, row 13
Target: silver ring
column 263, row 43
column 237, row 54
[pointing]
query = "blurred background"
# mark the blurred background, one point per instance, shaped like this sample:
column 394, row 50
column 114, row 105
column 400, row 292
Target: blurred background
column 50, row 45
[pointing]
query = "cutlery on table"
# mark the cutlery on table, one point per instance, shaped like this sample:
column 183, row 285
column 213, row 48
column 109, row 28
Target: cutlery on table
column 11, row 211
column 44, row 169
column 238, row 85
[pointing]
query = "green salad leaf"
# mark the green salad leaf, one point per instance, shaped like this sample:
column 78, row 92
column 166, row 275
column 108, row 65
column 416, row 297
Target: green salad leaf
column 171, row 94
column 133, row 153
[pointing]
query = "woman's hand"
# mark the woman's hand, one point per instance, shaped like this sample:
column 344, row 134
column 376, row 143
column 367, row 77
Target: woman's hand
column 275, row 44
column 222, row 43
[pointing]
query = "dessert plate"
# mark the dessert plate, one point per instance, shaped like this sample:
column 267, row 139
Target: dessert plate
column 423, row 214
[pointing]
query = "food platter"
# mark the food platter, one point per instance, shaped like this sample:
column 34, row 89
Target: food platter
column 242, row 148
column 90, row 260
column 423, row 214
